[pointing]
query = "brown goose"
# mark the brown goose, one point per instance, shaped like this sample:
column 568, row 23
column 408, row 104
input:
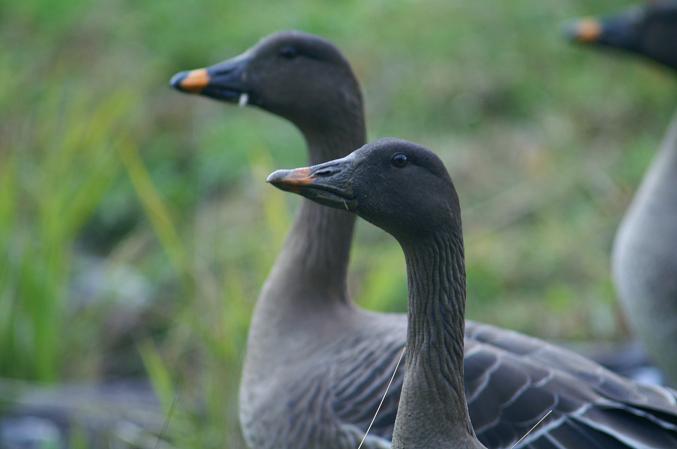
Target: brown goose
column 644, row 255
column 317, row 383
column 405, row 189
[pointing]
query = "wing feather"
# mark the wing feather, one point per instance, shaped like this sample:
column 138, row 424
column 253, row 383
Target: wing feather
column 512, row 381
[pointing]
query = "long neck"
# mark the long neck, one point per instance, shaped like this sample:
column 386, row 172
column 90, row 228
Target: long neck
column 433, row 408
column 314, row 261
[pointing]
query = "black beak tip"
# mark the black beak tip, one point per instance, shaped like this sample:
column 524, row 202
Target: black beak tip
column 177, row 79
column 276, row 177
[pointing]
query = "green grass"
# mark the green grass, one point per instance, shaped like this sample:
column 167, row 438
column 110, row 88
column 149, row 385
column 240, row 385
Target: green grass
column 98, row 157
column 61, row 163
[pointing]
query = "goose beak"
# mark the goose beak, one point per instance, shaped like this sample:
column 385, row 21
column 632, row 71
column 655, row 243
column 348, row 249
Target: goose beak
column 585, row 31
column 192, row 81
column 329, row 183
column 225, row 81
column 291, row 180
column 619, row 31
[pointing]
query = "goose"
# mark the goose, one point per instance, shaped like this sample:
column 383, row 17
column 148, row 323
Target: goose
column 405, row 189
column 432, row 412
column 644, row 259
column 318, row 383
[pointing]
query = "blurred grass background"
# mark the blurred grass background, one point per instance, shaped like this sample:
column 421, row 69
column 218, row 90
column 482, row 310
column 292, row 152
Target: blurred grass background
column 136, row 227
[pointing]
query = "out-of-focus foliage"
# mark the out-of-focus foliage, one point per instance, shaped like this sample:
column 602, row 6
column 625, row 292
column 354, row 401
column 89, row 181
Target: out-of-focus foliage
column 155, row 201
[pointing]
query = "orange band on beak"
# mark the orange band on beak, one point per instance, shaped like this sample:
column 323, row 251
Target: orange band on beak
column 588, row 30
column 291, row 180
column 298, row 177
column 195, row 81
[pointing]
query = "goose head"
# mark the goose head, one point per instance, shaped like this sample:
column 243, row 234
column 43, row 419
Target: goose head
column 649, row 30
column 397, row 185
column 298, row 76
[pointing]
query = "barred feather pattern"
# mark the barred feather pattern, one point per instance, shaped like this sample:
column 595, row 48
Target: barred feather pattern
column 511, row 381
column 319, row 389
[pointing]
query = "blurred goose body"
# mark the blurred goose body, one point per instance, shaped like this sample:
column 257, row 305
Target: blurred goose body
column 317, row 365
column 406, row 190
column 645, row 249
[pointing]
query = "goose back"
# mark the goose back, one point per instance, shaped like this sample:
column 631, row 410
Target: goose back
column 644, row 258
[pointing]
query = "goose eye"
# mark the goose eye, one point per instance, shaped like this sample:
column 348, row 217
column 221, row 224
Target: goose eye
column 288, row 52
column 399, row 160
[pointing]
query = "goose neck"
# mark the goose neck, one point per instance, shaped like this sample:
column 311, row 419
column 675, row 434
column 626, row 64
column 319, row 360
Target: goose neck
column 335, row 138
column 433, row 406
column 313, row 264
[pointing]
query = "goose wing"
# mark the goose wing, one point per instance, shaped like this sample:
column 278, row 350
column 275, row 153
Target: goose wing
column 512, row 381
column 359, row 380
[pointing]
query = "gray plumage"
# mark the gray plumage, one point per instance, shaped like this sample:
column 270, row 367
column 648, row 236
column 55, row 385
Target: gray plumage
column 644, row 260
column 511, row 381
column 316, row 365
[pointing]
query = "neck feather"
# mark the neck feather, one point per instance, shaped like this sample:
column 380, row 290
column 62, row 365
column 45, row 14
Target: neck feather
column 314, row 260
column 433, row 398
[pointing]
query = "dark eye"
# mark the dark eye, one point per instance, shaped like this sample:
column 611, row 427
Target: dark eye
column 399, row 160
column 288, row 52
